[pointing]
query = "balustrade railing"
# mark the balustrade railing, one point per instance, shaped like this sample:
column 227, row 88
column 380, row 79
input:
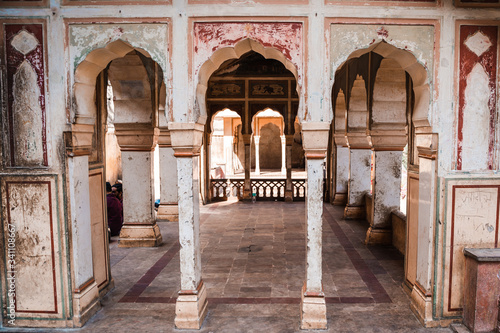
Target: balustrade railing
column 265, row 189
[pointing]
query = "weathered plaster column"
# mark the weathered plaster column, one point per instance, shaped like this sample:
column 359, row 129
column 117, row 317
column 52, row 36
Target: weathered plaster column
column 422, row 293
column 247, row 188
column 342, row 158
column 341, row 175
column 85, row 289
column 168, row 209
column 386, row 195
column 191, row 305
column 283, row 155
column 313, row 306
column 256, row 140
column 358, row 183
column 207, row 166
column 137, row 142
column 288, row 183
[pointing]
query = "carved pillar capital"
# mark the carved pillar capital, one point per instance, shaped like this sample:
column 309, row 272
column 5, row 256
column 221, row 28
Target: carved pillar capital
column 164, row 138
column 427, row 145
column 358, row 140
column 78, row 141
column 136, row 136
column 315, row 139
column 186, row 138
column 390, row 140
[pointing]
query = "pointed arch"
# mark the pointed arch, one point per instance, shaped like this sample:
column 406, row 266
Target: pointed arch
column 227, row 53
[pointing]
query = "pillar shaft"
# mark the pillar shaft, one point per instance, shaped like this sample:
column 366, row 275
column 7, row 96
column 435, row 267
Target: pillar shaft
column 139, row 226
column 283, row 155
column 386, row 195
column 359, row 182
column 168, row 209
column 256, row 139
column 341, row 175
column 313, row 305
column 288, row 183
column 191, row 304
column 247, row 190
column 85, row 293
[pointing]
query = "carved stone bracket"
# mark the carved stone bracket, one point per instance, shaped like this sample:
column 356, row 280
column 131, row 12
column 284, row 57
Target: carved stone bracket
column 136, row 136
column 78, row 141
column 315, row 139
column 186, row 138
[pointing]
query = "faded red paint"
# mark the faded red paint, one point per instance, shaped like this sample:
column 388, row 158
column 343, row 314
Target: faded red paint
column 14, row 60
column 382, row 33
column 468, row 60
column 283, row 36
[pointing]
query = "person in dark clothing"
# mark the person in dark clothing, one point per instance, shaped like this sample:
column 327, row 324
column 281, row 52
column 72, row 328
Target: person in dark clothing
column 117, row 190
column 115, row 212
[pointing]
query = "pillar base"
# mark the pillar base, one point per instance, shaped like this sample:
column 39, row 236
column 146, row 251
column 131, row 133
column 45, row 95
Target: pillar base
column 421, row 305
column 85, row 303
column 140, row 235
column 288, row 196
column 168, row 212
column 354, row 212
column 378, row 236
column 191, row 308
column 312, row 311
column 340, row 199
column 247, row 194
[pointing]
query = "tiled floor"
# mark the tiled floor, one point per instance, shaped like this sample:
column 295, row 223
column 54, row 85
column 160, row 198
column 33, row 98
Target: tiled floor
column 253, row 258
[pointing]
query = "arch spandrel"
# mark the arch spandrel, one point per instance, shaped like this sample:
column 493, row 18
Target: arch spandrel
column 412, row 46
column 92, row 47
column 281, row 41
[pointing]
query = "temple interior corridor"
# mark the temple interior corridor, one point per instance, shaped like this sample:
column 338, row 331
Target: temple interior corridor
column 253, row 268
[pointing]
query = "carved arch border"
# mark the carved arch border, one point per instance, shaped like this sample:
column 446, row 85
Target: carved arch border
column 415, row 56
column 205, row 59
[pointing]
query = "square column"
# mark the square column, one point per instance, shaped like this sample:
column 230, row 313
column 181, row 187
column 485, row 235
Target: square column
column 283, row 155
column 191, row 304
column 341, row 176
column 137, row 142
column 85, row 289
column 288, row 182
column 247, row 187
column 256, row 140
column 359, row 182
column 386, row 195
column 168, row 209
column 313, row 305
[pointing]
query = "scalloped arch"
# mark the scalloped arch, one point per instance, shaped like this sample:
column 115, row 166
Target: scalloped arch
column 86, row 73
column 416, row 70
column 235, row 52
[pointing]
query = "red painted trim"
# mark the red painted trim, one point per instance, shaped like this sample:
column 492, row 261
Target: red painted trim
column 54, row 281
column 13, row 60
column 467, row 61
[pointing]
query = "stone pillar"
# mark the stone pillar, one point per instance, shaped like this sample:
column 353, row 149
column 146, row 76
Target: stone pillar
column 386, row 195
column 422, row 292
column 85, row 289
column 247, row 187
column 168, row 209
column 191, row 305
column 137, row 142
column 313, row 306
column 208, row 158
column 341, row 175
column 288, row 183
column 283, row 155
column 256, row 139
column 359, row 182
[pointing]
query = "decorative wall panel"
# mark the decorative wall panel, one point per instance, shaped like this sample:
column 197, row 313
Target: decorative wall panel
column 472, row 221
column 477, row 97
column 26, row 142
column 30, row 222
